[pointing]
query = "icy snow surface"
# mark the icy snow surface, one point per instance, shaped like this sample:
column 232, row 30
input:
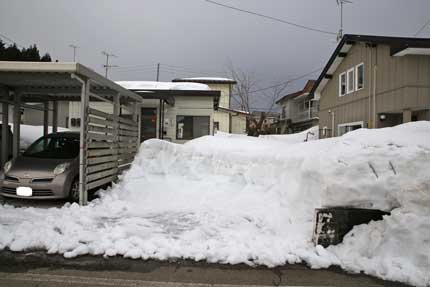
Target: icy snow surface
column 234, row 199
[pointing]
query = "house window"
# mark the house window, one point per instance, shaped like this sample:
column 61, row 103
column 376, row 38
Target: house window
column 191, row 127
column 347, row 127
column 350, row 80
column 342, row 84
column 75, row 122
column 359, row 76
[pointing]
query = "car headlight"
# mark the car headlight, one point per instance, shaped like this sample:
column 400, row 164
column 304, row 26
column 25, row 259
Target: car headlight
column 62, row 167
column 7, row 166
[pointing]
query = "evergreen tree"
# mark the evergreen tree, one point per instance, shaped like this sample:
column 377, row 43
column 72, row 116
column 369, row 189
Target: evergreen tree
column 46, row 58
column 13, row 53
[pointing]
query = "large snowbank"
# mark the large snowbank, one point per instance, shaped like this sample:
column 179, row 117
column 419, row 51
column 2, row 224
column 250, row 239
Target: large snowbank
column 237, row 199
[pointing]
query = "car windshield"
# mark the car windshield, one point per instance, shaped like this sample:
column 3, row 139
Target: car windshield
column 58, row 147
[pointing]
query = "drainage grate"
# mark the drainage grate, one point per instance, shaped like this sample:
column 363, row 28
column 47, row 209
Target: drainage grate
column 332, row 224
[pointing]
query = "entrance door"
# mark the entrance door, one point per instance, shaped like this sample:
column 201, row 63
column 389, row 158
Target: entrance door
column 149, row 124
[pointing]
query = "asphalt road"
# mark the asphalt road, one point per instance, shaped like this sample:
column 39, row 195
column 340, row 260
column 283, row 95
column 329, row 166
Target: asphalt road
column 36, row 269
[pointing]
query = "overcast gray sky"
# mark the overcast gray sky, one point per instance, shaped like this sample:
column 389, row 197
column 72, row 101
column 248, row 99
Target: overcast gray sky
column 196, row 38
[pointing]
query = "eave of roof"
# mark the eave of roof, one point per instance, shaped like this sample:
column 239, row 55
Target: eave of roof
column 46, row 76
column 307, row 88
column 396, row 44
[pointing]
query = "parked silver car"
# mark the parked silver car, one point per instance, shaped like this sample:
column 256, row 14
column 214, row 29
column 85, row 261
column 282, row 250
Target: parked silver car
column 48, row 169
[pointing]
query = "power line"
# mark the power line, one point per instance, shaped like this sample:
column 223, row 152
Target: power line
column 192, row 69
column 171, row 67
column 422, row 28
column 283, row 83
column 272, row 18
column 121, row 67
column 10, row 40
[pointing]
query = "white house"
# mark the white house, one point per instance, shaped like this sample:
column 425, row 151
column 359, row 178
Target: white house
column 226, row 119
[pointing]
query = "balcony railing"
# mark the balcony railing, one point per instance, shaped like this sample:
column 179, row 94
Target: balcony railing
column 305, row 115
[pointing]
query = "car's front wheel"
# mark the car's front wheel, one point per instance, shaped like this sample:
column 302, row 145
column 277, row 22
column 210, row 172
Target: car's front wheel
column 74, row 191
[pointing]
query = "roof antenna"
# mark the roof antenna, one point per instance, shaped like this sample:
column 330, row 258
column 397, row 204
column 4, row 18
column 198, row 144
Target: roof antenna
column 107, row 66
column 340, row 4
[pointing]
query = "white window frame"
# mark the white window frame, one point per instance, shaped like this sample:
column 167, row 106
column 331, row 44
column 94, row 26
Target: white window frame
column 340, row 84
column 356, row 77
column 348, row 91
column 349, row 124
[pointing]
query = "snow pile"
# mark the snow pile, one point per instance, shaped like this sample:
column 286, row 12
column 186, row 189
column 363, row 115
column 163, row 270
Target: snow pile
column 236, row 199
column 310, row 134
column 151, row 85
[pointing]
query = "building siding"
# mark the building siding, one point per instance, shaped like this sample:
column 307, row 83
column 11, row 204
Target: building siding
column 401, row 83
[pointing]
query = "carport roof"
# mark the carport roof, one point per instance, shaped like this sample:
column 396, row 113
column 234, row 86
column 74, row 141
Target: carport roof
column 56, row 80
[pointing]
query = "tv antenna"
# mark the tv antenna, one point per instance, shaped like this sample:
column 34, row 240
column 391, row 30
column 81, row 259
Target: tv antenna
column 107, row 66
column 74, row 47
column 340, row 3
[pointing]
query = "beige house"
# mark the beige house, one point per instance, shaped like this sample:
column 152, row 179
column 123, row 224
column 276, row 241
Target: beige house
column 374, row 82
column 226, row 119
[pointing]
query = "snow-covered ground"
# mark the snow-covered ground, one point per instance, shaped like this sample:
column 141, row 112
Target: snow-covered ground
column 237, row 199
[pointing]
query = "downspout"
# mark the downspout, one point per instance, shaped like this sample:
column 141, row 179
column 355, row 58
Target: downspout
column 332, row 124
column 370, row 89
column 160, row 119
column 375, row 69
column 333, row 134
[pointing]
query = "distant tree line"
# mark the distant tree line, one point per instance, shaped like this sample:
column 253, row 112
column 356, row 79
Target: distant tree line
column 30, row 54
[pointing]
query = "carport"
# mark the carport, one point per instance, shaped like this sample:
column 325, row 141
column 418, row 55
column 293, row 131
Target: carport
column 108, row 141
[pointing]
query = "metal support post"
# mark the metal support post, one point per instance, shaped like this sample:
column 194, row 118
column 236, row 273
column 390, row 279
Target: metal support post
column 54, row 116
column 5, row 134
column 85, row 95
column 16, row 123
column 45, row 118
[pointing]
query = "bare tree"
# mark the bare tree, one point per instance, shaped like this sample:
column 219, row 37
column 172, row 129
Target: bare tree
column 243, row 96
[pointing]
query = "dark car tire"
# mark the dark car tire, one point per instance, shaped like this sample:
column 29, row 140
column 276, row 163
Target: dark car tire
column 74, row 191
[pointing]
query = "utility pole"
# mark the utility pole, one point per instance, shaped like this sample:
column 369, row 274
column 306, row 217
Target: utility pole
column 158, row 72
column 340, row 4
column 107, row 66
column 74, row 47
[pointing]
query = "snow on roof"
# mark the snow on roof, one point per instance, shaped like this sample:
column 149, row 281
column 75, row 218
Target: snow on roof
column 151, row 85
column 205, row 79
